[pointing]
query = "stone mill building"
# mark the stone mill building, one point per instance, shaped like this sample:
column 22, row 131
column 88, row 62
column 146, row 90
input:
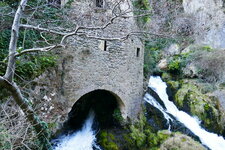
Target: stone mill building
column 101, row 61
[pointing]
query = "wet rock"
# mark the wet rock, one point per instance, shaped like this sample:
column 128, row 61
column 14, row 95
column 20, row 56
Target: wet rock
column 189, row 98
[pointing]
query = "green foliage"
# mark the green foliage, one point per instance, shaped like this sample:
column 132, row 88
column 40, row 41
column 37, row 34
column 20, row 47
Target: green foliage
column 178, row 62
column 118, row 116
column 152, row 54
column 174, row 65
column 31, row 65
column 207, row 48
column 142, row 7
column 107, row 141
column 137, row 136
column 156, row 139
column 5, row 142
column 34, row 65
column 11, row 3
column 142, row 137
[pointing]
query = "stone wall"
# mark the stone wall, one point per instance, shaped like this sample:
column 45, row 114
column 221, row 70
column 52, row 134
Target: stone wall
column 88, row 64
column 115, row 66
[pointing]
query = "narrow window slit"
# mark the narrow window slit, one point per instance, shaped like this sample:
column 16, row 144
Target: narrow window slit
column 138, row 52
column 105, row 45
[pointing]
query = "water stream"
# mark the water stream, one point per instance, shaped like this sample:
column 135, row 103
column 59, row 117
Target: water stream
column 211, row 140
column 84, row 139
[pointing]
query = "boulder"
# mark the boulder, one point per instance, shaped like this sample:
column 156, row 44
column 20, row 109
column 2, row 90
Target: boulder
column 163, row 64
column 181, row 142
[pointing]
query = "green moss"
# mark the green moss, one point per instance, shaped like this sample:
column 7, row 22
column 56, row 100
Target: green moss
column 137, row 136
column 174, row 66
column 142, row 137
column 178, row 62
column 152, row 56
column 166, row 76
column 118, row 116
column 190, row 98
column 207, row 48
column 180, row 142
column 174, row 85
column 107, row 141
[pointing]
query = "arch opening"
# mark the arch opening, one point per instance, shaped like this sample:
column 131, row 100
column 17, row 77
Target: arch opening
column 104, row 104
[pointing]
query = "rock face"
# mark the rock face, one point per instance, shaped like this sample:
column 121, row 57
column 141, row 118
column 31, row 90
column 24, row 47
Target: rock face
column 208, row 17
column 115, row 66
column 220, row 94
column 201, row 20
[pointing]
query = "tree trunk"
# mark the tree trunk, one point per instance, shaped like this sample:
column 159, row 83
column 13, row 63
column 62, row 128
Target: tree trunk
column 39, row 126
column 7, row 82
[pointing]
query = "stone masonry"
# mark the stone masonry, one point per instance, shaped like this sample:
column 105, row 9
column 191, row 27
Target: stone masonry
column 90, row 64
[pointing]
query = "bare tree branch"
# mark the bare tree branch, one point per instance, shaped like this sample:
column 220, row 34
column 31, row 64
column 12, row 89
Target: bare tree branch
column 13, row 41
column 106, row 38
column 42, row 29
column 25, row 106
column 42, row 49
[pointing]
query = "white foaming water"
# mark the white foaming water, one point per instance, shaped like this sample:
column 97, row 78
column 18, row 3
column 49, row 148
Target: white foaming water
column 151, row 100
column 83, row 139
column 211, row 140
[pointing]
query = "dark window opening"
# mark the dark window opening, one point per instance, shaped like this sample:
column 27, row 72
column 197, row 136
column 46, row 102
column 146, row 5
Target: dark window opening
column 138, row 52
column 99, row 3
column 105, row 45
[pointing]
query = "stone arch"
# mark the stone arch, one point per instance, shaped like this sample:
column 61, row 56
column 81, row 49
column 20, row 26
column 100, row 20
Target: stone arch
column 101, row 101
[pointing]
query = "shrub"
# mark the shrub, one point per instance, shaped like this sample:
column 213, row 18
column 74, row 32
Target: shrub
column 152, row 54
column 118, row 116
column 142, row 7
column 107, row 141
column 175, row 66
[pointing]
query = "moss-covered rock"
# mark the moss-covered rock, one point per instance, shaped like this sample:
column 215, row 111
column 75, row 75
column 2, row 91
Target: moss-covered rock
column 140, row 136
column 166, row 76
column 107, row 140
column 190, row 99
column 181, row 142
column 174, row 85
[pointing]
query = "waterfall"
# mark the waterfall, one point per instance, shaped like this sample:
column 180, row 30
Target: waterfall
column 211, row 140
column 83, row 139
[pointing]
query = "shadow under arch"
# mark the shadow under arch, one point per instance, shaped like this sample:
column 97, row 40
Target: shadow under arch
column 104, row 103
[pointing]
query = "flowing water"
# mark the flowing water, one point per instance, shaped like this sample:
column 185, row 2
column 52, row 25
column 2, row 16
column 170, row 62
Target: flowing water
column 211, row 140
column 83, row 139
